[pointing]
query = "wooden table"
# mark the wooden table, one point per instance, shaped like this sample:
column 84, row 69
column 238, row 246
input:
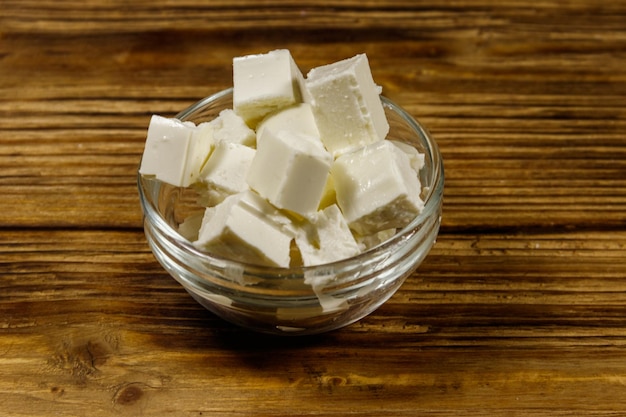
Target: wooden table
column 519, row 309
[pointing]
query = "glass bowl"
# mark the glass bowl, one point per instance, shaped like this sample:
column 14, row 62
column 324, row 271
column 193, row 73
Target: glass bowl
column 301, row 300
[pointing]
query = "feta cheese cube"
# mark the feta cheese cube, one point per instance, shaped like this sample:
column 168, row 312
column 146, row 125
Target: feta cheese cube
column 326, row 238
column 346, row 104
column 243, row 228
column 201, row 147
column 296, row 118
column 290, row 170
column 263, row 83
column 174, row 151
column 415, row 157
column 376, row 188
column 226, row 170
column 230, row 127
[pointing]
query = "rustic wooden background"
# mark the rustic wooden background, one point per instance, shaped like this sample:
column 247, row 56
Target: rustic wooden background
column 520, row 308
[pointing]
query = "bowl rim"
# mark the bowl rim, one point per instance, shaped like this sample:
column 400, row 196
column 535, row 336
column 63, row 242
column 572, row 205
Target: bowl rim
column 432, row 202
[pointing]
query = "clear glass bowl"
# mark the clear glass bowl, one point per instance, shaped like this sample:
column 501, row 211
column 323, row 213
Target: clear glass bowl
column 283, row 301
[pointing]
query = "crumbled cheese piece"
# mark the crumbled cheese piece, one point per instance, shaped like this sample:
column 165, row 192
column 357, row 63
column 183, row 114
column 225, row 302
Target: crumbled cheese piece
column 240, row 228
column 346, row 104
column 326, row 238
column 297, row 118
column 175, row 151
column 290, row 170
column 376, row 188
column 230, row 127
column 263, row 83
column 226, row 170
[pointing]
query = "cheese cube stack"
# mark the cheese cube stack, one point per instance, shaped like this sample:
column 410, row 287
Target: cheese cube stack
column 298, row 172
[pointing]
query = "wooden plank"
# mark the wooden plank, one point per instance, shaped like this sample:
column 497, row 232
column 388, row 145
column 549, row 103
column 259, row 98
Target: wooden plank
column 91, row 322
column 517, row 153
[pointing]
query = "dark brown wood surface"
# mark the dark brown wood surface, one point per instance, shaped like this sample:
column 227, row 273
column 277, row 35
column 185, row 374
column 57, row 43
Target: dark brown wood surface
column 520, row 309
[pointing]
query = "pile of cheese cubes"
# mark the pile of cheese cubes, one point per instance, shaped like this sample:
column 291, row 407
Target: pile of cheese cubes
column 298, row 172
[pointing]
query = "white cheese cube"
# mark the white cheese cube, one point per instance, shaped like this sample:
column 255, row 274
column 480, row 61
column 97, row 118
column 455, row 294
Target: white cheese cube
column 376, row 188
column 326, row 238
column 201, row 147
column 296, row 118
column 174, row 151
column 242, row 228
column 230, row 127
column 226, row 170
column 346, row 104
column 415, row 157
column 290, row 170
column 263, row 83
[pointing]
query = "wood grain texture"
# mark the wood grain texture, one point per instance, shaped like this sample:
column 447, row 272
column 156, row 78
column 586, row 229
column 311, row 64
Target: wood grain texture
column 520, row 308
